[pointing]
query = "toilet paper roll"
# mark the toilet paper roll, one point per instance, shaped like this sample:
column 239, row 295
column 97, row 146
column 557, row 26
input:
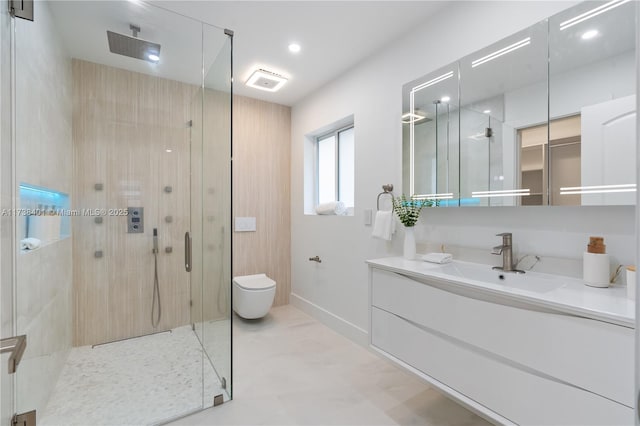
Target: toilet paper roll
column 44, row 228
column 596, row 269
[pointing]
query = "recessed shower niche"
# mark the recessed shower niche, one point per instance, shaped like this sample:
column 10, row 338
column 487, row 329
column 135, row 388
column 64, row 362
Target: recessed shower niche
column 42, row 217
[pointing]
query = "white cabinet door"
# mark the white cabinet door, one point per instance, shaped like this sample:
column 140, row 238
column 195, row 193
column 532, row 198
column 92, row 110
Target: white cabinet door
column 520, row 396
column 585, row 353
column 609, row 149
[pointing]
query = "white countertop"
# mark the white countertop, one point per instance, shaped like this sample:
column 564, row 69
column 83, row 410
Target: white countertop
column 565, row 294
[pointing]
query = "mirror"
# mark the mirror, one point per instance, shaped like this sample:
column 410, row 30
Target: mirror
column 430, row 130
column 543, row 117
column 500, row 88
column 592, row 107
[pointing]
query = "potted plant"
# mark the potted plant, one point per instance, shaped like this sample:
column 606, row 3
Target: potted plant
column 408, row 211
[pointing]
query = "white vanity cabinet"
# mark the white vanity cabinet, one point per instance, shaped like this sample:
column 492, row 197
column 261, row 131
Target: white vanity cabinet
column 511, row 360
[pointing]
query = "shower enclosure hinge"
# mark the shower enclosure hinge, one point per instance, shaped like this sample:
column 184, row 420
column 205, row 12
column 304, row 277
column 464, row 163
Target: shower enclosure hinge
column 24, row 419
column 488, row 132
column 190, row 123
column 218, row 400
column 228, row 32
column 21, row 9
column 191, row 303
column 193, row 327
column 224, row 383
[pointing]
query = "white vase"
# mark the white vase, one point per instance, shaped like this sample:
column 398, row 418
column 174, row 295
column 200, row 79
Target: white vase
column 409, row 243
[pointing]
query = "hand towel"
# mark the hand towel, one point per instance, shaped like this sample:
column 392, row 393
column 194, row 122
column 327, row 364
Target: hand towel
column 30, row 244
column 384, row 226
column 334, row 207
column 438, row 257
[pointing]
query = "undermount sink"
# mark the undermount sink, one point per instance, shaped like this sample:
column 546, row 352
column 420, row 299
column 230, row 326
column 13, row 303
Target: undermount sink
column 530, row 281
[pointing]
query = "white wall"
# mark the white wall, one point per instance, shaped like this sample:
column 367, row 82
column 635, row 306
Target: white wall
column 336, row 290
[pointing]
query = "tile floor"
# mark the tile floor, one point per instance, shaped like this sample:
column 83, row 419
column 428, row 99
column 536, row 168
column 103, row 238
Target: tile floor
column 138, row 381
column 289, row 369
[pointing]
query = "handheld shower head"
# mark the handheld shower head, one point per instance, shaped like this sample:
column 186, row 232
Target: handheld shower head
column 155, row 240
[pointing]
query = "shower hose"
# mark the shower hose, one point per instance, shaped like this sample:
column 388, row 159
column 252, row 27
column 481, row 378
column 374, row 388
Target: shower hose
column 155, row 319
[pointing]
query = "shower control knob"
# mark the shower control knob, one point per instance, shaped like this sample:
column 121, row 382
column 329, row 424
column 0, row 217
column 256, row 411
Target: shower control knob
column 98, row 254
column 168, row 219
column 168, row 189
column 168, row 250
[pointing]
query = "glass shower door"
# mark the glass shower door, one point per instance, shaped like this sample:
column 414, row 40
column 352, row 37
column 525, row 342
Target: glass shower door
column 123, row 149
column 211, row 216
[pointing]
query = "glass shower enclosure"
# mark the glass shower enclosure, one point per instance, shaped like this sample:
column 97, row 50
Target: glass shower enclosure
column 116, row 201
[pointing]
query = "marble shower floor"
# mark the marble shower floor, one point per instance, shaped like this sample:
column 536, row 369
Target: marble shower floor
column 139, row 381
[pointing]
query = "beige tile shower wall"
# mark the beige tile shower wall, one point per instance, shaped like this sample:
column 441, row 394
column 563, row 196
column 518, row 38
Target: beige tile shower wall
column 43, row 158
column 123, row 125
column 210, row 211
column 214, row 160
column 261, row 189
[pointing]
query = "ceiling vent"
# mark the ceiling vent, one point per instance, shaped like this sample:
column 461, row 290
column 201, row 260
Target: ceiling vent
column 266, row 80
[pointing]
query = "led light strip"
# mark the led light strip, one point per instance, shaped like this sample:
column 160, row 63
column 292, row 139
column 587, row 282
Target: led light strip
column 436, row 80
column 442, row 196
column 598, row 189
column 591, row 13
column 503, row 51
column 411, row 143
column 501, row 193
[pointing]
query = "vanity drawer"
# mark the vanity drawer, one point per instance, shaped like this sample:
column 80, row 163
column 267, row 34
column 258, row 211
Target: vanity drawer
column 588, row 354
column 520, row 396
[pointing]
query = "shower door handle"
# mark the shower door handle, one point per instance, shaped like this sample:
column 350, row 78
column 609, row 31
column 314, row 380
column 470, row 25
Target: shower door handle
column 187, row 251
column 15, row 346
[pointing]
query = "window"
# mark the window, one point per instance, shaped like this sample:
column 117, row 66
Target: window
column 335, row 178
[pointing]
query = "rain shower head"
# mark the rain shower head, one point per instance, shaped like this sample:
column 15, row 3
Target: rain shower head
column 133, row 46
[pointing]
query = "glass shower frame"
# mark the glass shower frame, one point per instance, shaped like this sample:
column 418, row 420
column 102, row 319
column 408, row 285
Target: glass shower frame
column 216, row 76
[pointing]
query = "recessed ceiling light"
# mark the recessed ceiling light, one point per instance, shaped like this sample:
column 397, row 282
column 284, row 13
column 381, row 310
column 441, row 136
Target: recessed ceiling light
column 487, row 111
column 445, row 99
column 266, row 80
column 153, row 57
column 589, row 34
column 294, row 48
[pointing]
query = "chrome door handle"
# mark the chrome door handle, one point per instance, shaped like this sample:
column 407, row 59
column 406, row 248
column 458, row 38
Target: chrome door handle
column 187, row 252
column 315, row 259
column 16, row 346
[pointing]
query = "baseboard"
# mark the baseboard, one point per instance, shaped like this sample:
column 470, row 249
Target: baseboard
column 342, row 326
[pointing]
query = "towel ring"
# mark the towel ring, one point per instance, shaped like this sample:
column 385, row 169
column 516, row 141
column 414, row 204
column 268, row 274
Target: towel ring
column 386, row 190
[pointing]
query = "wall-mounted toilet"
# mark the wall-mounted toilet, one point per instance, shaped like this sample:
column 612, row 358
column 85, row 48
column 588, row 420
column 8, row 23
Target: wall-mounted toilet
column 253, row 295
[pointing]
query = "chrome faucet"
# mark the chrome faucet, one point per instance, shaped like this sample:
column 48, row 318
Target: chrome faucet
column 506, row 250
